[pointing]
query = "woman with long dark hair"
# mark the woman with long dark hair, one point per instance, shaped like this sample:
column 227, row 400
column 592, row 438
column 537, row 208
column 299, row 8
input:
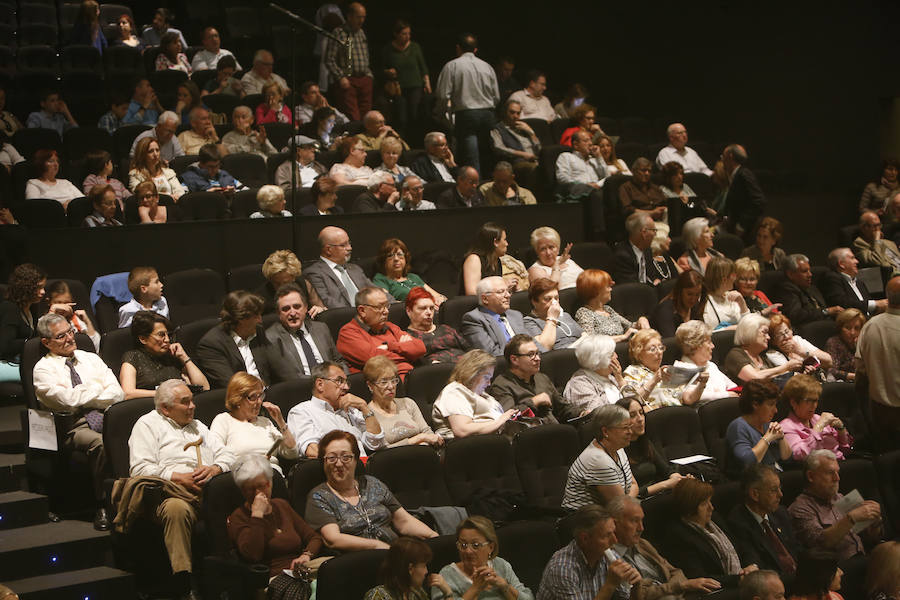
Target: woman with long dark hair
column 648, row 464
column 404, row 573
column 483, row 258
column 684, row 303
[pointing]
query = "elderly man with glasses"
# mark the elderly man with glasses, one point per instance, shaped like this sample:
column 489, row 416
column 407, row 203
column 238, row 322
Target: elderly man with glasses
column 335, row 279
column 68, row 380
column 492, row 324
column 370, row 334
column 332, row 407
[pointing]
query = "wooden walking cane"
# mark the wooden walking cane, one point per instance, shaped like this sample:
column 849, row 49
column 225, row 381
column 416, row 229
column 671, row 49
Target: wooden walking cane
column 196, row 444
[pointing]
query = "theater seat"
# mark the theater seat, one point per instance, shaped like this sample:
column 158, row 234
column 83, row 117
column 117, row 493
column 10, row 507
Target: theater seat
column 41, row 213
column 306, row 475
column 203, row 206
column 113, row 345
column 676, row 431
column 559, row 366
column 723, row 342
column 452, row 311
column 479, row 462
column 714, row 419
column 543, row 456
column 633, row 300
column 246, row 277
column 349, row 575
column 287, row 394
column 818, row 332
column 593, row 255
column 729, row 244
column 246, row 167
column 193, row 294
column 528, row 546
column 413, row 474
column 424, row 385
column 189, row 334
column 118, row 422
column 208, row 405
column 336, row 318
column 888, row 467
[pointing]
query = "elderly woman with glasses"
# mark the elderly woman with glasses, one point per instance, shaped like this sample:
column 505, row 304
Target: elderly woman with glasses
column 748, row 359
column 244, row 431
column 747, row 270
column 267, row 530
column 393, row 263
column 594, row 288
column 599, row 379
column 356, row 512
column 353, row 169
column 602, row 471
column 480, row 573
column 400, row 418
column 785, row 346
column 646, row 372
column 155, row 359
column 697, row 347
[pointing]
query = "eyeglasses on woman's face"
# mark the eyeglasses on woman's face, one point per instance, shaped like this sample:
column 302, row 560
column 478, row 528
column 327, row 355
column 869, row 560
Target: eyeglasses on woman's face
column 344, row 458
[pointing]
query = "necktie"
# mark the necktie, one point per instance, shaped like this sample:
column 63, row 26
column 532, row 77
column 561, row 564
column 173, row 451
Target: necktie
column 785, row 560
column 94, row 417
column 503, row 323
column 348, row 283
column 642, row 269
column 307, row 351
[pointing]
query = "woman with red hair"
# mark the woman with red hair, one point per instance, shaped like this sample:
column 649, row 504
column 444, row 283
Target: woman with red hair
column 442, row 342
column 594, row 288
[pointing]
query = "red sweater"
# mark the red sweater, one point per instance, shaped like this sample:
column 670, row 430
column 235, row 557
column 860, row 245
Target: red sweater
column 358, row 344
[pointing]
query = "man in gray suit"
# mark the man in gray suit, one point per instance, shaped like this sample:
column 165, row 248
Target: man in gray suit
column 335, row 279
column 492, row 324
column 303, row 344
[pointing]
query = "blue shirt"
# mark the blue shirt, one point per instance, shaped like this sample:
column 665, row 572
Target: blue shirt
column 149, row 117
column 55, row 121
column 741, row 437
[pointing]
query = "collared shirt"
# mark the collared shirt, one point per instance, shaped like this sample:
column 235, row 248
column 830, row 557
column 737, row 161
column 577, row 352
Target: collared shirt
column 236, row 142
column 441, row 168
column 568, row 576
column 528, row 144
column 402, row 204
column 137, row 114
column 812, row 516
column 641, row 262
column 243, row 347
column 870, row 304
column 534, row 108
column 95, row 219
column 646, row 567
column 9, row 156
column 309, row 421
column 687, row 158
column 468, row 83
column 99, row 387
column 55, row 121
column 110, row 122
column 304, row 114
column 151, row 37
column 572, row 167
column 335, row 58
column 205, row 60
column 127, row 310
column 296, row 339
column 879, row 344
column 192, row 142
column 253, row 83
column 494, row 198
column 167, row 151
column 156, row 447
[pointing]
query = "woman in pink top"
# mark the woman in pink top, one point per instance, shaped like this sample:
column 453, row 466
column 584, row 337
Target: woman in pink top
column 805, row 430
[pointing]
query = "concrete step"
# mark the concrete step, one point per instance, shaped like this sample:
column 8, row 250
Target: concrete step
column 96, row 583
column 12, row 472
column 51, row 548
column 21, row 509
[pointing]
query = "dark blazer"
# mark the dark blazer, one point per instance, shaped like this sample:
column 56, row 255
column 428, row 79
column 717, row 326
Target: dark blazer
column 283, row 345
column 625, row 264
column 219, row 358
column 745, row 201
column 837, row 292
column 481, row 330
column 691, row 551
column 424, row 168
column 14, row 332
column 751, row 542
column 801, row 305
column 451, row 199
column 329, row 287
column 310, row 210
column 367, row 202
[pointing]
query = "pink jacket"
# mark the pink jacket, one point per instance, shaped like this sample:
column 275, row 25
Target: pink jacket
column 803, row 439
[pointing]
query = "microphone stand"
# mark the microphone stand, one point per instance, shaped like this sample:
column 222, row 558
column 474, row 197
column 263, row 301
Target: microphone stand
column 312, row 26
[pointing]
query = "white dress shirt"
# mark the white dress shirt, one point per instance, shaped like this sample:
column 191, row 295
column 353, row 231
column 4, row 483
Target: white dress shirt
column 243, row 347
column 205, row 60
column 870, row 304
column 156, row 447
column 311, row 420
column 572, row 167
column 98, row 389
column 441, row 168
column 243, row 438
column 128, row 310
column 534, row 108
column 641, row 262
column 687, row 158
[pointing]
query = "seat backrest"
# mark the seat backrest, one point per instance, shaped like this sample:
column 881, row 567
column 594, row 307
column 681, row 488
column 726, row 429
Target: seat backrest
column 118, row 422
column 519, row 301
column 189, row 335
column 479, row 462
column 729, row 244
column 433, row 189
column 77, row 210
column 888, row 467
column 715, row 417
column 113, row 345
column 203, row 206
column 244, row 203
column 246, row 277
column 792, row 483
column 424, row 385
column 528, row 546
column 28, row 141
column 452, row 311
column 542, row 130
column 413, row 474
column 633, row 300
column 208, row 405
column 347, row 194
column 593, row 255
column 723, row 342
column 543, row 456
column 305, row 475
column 559, row 366
column 860, row 474
column 248, row 168
column 818, row 332
column 287, row 394
column 194, row 286
column 676, row 431
column 123, row 138
column 336, row 318
column 349, row 575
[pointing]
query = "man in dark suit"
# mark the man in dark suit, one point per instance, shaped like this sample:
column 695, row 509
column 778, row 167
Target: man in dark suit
column 302, row 343
column 465, row 194
column 335, row 279
column 492, row 324
column 761, row 527
column 802, row 302
column 437, row 163
column 840, row 286
column 633, row 256
column 382, row 195
column 239, row 344
column 745, row 201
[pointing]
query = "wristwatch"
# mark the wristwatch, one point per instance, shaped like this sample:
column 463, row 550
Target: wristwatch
column 371, row 413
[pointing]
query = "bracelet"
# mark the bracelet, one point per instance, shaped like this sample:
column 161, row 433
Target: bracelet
column 184, row 364
column 371, row 413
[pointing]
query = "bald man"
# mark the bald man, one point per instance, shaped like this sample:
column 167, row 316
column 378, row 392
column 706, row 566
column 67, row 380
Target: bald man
column 335, row 279
column 262, row 73
column 678, row 151
column 871, row 247
column 877, row 357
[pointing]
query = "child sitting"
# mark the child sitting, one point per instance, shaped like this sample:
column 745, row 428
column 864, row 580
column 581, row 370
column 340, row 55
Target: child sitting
column 145, row 286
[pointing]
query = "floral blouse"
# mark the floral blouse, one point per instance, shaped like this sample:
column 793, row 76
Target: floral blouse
column 592, row 322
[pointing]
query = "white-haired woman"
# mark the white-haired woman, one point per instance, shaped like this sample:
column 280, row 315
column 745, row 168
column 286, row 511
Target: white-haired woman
column 747, row 360
column 550, row 264
column 695, row 340
column 599, row 379
column 271, row 203
column 724, row 305
column 267, row 530
column 698, row 239
column 602, row 471
column 662, row 268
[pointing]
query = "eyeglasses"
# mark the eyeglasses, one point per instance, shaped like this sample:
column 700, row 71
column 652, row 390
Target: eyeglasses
column 161, row 335
column 533, row 354
column 387, row 383
column 344, row 458
column 61, row 336
column 472, row 545
column 379, row 307
column 397, row 254
column 503, row 292
column 656, row 349
column 337, row 380
column 417, row 188
column 256, row 396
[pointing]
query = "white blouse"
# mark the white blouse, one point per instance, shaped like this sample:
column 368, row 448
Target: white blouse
column 62, row 190
column 242, row 438
column 568, row 273
column 716, row 313
column 457, row 399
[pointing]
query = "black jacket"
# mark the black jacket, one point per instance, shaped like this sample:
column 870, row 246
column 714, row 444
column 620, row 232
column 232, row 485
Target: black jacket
column 837, row 292
column 751, row 542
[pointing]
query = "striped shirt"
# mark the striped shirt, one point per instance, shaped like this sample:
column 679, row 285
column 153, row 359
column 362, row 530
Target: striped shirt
column 592, row 468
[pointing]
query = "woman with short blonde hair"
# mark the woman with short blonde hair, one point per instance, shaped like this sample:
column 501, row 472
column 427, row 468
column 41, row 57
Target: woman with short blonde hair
column 697, row 347
column 281, row 267
column 271, row 203
column 550, row 264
